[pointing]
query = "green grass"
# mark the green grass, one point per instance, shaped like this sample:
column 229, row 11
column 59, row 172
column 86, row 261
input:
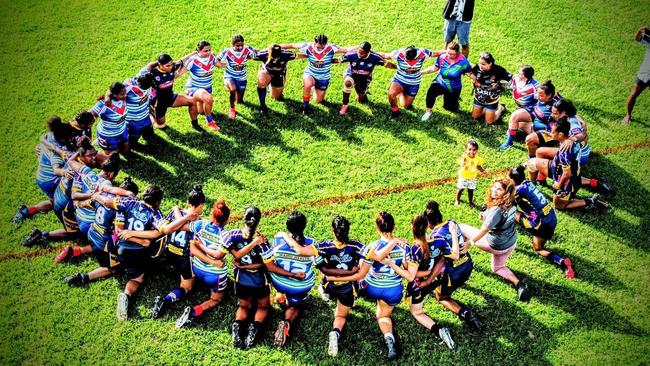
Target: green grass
column 59, row 56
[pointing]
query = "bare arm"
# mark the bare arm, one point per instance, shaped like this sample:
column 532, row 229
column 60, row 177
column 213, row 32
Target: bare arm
column 378, row 255
column 361, row 274
column 259, row 239
column 304, row 250
column 205, row 255
column 408, row 273
column 430, row 70
column 272, row 267
column 339, row 272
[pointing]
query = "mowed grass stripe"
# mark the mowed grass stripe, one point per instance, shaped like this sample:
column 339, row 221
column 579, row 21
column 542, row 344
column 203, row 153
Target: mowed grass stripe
column 348, row 197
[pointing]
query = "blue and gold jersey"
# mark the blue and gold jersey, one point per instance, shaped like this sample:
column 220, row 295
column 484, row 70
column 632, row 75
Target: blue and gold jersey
column 443, row 245
column 277, row 66
column 531, row 201
column 178, row 242
column 362, row 67
column 336, row 255
column 138, row 216
column 566, row 160
column 235, row 240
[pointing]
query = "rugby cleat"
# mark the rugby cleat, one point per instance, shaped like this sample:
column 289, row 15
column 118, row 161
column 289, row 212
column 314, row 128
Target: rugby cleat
column 505, row 146
column 35, row 237
column 394, row 114
column 323, row 295
column 21, row 214
column 333, row 346
column 185, row 318
column 158, row 306
column 472, row 322
column 249, row 342
column 344, row 110
column 65, row 255
column 237, row 342
column 606, row 188
column 306, row 110
column 232, row 114
column 281, row 333
column 391, row 349
column 444, row 334
column 600, row 203
column 426, row 116
column 568, row 269
column 523, row 292
column 122, row 309
column 213, row 126
column 76, row 280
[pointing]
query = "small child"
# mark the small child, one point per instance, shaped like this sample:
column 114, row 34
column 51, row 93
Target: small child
column 470, row 165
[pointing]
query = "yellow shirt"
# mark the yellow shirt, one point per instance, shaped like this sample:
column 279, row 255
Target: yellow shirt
column 469, row 166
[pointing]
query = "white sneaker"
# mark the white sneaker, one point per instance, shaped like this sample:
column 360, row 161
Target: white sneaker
column 426, row 116
column 446, row 338
column 333, row 348
column 122, row 306
column 323, row 295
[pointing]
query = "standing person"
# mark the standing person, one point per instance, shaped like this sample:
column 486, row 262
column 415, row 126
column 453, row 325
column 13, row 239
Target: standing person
column 458, row 266
column 451, row 66
column 138, row 120
column 234, row 60
column 643, row 75
column 273, row 72
column 536, row 215
column 165, row 71
column 430, row 263
column 488, row 82
column 470, row 165
column 200, row 66
column 406, row 82
column 358, row 74
column 386, row 261
column 252, row 286
column 458, row 16
column 338, row 257
column 316, row 77
column 292, row 274
column 112, row 131
column 498, row 235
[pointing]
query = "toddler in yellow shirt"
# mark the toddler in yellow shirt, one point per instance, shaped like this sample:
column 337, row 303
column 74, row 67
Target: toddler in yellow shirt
column 470, row 165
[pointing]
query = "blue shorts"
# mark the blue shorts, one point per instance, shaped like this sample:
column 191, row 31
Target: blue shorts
column 490, row 107
column 190, row 90
column 453, row 278
column 539, row 125
column 410, row 90
column 240, row 84
column 139, row 128
column 100, row 241
column 48, row 187
column 453, row 28
column 295, row 296
column 544, row 227
column 584, row 155
column 390, row 295
column 213, row 281
column 83, row 227
column 113, row 142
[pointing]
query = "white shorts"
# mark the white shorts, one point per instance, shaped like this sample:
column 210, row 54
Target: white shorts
column 466, row 183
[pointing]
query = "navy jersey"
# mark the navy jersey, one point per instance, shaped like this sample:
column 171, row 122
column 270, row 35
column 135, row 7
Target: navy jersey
column 443, row 244
column 78, row 132
column 488, row 83
column 542, row 111
column 277, row 66
column 178, row 242
column 138, row 216
column 163, row 86
column 566, row 160
column 235, row 240
column 362, row 66
column 531, row 201
column 425, row 263
column 336, row 255
column 63, row 192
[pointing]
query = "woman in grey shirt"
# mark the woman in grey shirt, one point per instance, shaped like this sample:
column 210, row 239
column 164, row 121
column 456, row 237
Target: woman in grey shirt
column 498, row 235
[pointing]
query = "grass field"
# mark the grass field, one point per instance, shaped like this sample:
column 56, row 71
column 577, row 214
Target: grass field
column 59, row 56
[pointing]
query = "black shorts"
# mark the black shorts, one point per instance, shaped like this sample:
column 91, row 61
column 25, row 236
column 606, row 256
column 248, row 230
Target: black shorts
column 361, row 83
column 106, row 259
column 345, row 293
column 135, row 261
column 642, row 84
column 182, row 264
column 545, row 139
column 449, row 98
column 417, row 293
column 451, row 280
column 160, row 103
column 277, row 79
column 247, row 292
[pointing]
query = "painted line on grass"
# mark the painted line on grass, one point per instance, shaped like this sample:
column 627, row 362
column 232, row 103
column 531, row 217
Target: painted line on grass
column 348, row 197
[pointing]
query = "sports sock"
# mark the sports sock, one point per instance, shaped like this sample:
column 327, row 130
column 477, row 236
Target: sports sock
column 337, row 331
column 435, row 328
column 174, row 295
column 196, row 311
column 394, row 109
column 463, row 313
column 209, row 118
column 512, row 133
column 261, row 93
column 305, row 101
column 346, row 98
column 593, row 183
column 541, row 176
column 31, row 211
column 76, row 251
column 257, row 324
column 589, row 202
column 559, row 261
column 232, row 99
column 45, row 235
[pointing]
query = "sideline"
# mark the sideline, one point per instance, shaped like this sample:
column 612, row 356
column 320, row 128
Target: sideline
column 346, row 197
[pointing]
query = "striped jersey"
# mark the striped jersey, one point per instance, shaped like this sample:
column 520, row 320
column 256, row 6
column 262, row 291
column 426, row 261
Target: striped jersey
column 112, row 119
column 236, row 61
column 211, row 236
column 286, row 258
column 62, row 192
column 451, row 71
column 542, row 111
column 410, row 72
column 524, row 92
column 381, row 275
column 137, row 102
column 47, row 160
column 200, row 70
column 87, row 181
column 320, row 62
column 577, row 127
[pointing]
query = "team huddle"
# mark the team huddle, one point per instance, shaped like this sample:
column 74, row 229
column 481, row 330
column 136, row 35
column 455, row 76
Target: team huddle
column 126, row 231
